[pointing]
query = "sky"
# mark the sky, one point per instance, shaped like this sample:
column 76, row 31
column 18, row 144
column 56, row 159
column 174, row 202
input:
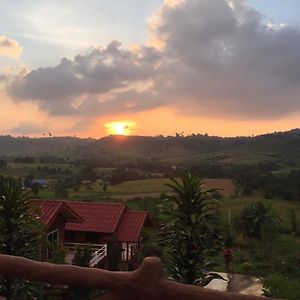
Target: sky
column 97, row 67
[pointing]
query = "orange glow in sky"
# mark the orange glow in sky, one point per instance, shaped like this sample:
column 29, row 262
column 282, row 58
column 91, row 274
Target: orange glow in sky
column 120, row 127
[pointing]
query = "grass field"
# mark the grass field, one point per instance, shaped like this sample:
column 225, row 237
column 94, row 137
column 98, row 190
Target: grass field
column 135, row 187
column 157, row 185
column 282, row 208
column 151, row 188
column 144, row 186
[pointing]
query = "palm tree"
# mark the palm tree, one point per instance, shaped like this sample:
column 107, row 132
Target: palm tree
column 255, row 219
column 191, row 231
column 20, row 231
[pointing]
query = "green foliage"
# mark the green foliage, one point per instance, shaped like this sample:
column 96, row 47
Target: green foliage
column 20, row 230
column 56, row 253
column 278, row 285
column 191, row 232
column 60, row 190
column 82, row 258
column 256, row 219
column 35, row 188
column 20, row 234
column 3, row 164
column 277, row 254
column 247, row 267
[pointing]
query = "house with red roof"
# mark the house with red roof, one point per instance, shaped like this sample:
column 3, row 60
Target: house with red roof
column 99, row 225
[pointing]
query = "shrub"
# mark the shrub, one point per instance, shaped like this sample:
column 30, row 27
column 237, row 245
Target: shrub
column 247, row 267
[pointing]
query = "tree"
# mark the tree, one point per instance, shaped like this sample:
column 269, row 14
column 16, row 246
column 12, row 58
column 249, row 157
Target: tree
column 3, row 164
column 60, row 190
column 191, row 232
column 82, row 258
column 35, row 188
column 255, row 219
column 20, row 234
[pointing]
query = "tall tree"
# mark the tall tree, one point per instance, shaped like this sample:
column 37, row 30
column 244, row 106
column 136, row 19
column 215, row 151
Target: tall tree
column 191, row 232
column 20, row 233
column 255, row 219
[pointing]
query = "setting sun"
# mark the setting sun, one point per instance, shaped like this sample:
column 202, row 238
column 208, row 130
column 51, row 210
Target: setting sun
column 120, row 127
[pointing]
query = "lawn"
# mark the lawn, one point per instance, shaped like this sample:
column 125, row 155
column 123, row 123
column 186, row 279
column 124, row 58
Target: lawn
column 157, row 185
column 283, row 208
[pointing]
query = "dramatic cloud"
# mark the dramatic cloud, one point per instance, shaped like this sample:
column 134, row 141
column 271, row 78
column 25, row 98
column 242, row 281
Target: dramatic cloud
column 9, row 47
column 226, row 61
column 96, row 82
column 207, row 57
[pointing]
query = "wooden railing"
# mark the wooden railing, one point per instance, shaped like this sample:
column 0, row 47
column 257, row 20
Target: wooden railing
column 99, row 252
column 146, row 283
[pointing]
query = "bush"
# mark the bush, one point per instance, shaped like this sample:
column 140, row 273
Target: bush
column 277, row 285
column 247, row 267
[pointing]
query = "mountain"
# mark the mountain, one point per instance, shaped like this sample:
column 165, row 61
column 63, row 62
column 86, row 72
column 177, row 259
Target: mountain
column 281, row 147
column 25, row 146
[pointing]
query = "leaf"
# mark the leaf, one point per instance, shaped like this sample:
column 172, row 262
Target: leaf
column 207, row 279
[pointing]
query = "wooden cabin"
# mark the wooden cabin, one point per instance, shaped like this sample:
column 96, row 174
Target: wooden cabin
column 99, row 225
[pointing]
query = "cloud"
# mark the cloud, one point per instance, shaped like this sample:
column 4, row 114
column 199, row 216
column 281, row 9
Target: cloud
column 207, row 57
column 9, row 47
column 29, row 128
column 226, row 61
column 86, row 80
column 3, row 79
column 8, row 70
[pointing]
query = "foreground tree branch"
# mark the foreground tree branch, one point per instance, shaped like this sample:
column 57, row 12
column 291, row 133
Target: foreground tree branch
column 147, row 282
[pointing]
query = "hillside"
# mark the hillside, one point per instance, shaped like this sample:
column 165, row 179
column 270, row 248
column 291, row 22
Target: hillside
column 279, row 147
column 24, row 146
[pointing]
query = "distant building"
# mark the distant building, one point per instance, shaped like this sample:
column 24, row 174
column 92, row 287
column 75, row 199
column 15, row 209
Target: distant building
column 76, row 224
column 43, row 183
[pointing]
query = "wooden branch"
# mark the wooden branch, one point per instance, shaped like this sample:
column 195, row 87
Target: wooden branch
column 146, row 283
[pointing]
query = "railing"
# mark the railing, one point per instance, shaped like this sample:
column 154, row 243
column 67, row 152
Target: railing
column 72, row 247
column 98, row 256
column 100, row 251
column 146, row 283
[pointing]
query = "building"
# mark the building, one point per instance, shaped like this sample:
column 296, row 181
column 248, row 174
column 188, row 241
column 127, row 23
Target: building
column 99, row 225
column 42, row 183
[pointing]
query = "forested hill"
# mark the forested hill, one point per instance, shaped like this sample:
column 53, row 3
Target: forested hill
column 278, row 146
column 24, row 146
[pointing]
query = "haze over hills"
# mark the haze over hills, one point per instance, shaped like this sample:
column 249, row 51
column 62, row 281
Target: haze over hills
column 283, row 147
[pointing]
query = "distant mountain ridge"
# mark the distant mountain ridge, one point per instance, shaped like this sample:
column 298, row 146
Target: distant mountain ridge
column 275, row 146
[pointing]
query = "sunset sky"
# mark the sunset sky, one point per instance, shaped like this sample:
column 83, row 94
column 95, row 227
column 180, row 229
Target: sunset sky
column 95, row 67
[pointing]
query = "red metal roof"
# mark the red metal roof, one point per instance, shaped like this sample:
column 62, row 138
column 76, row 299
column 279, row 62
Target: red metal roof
column 98, row 217
column 131, row 226
column 50, row 209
